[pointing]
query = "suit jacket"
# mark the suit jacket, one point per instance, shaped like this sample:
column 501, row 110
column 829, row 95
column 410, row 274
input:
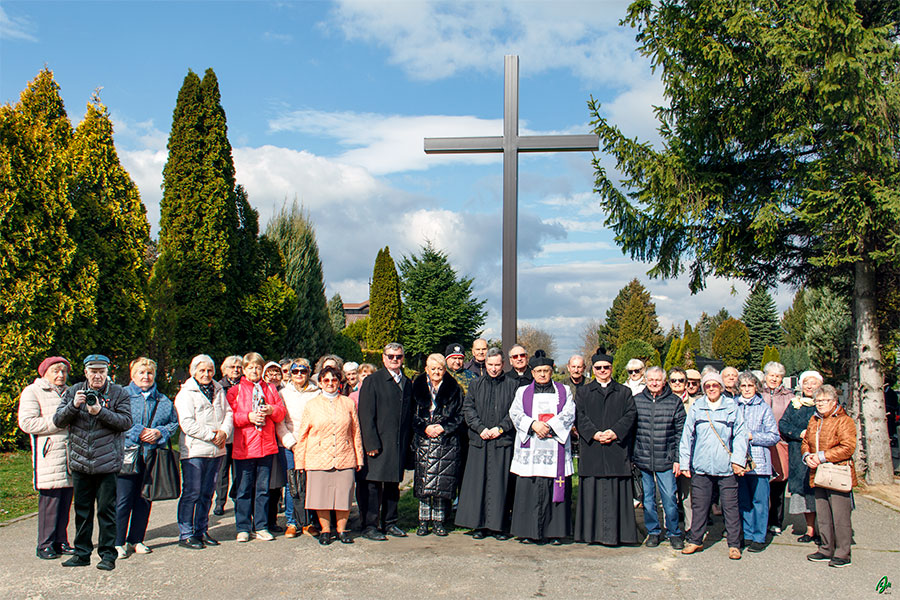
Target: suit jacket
column 597, row 409
column 385, row 420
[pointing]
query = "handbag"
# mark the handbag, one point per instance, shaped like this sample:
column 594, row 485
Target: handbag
column 163, row 478
column 834, row 477
column 296, row 483
column 749, row 463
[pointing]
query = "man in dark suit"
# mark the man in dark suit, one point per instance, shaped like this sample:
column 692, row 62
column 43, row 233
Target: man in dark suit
column 385, row 419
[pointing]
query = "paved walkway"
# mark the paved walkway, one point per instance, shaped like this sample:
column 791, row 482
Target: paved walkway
column 452, row 567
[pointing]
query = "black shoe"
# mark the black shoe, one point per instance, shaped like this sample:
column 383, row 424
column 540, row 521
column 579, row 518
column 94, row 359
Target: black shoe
column 555, row 542
column 479, row 534
column 370, row 533
column 839, row 562
column 191, row 543
column 394, row 531
column 817, row 557
column 276, row 529
column 527, row 541
column 325, row 538
column 219, row 510
column 345, row 537
column 501, row 537
column 805, row 538
column 77, row 561
column 677, row 542
column 208, row 540
column 64, row 548
column 47, row 553
column 439, row 530
column 756, row 547
column 107, row 564
column 652, row 540
column 423, row 529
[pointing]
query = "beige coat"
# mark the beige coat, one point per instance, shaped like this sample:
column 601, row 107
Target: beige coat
column 37, row 405
column 328, row 435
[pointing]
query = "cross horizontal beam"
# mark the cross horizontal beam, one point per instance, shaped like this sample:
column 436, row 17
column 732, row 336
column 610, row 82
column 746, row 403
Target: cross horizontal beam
column 525, row 143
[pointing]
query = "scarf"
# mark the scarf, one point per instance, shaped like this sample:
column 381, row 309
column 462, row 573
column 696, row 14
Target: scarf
column 208, row 390
column 801, row 400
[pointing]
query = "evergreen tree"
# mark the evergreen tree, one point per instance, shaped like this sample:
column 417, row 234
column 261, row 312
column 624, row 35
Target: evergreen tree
column 609, row 332
column 731, row 344
column 266, row 314
column 38, row 296
column 111, row 229
column 691, row 338
column 438, row 306
column 793, row 322
column 675, row 356
column 384, row 303
column 336, row 313
column 829, row 332
column 634, row 349
column 672, row 336
column 309, row 332
column 635, row 323
column 194, row 307
column 761, row 318
column 356, row 331
column 770, row 354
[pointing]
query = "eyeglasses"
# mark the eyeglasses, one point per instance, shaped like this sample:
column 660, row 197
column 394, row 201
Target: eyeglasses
column 328, row 380
column 602, row 367
column 523, row 355
column 394, row 356
column 633, row 371
column 677, row 380
column 822, row 400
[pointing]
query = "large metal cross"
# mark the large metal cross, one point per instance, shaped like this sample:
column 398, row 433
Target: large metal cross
column 510, row 144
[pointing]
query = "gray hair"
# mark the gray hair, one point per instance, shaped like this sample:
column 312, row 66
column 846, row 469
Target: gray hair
column 494, row 352
column 393, row 347
column 708, row 369
column 436, row 358
column 350, row 366
column 635, row 363
column 828, row 391
column 202, row 359
column 232, row 360
column 654, row 370
column 748, row 376
column 774, row 367
column 573, row 357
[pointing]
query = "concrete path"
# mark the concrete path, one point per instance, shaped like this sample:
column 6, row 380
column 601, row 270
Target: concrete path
column 452, row 567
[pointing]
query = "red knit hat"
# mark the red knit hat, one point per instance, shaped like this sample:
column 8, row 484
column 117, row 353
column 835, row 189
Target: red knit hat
column 50, row 361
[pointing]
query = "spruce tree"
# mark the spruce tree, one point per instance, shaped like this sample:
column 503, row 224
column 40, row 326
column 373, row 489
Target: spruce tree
column 195, row 311
column 37, row 292
column 309, row 332
column 111, row 230
column 761, row 318
column 384, row 303
column 336, row 313
column 793, row 322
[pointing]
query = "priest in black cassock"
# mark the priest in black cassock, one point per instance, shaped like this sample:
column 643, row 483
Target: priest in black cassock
column 605, row 420
column 485, row 496
column 542, row 413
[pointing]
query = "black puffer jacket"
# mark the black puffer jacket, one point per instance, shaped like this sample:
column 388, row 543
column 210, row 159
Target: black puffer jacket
column 659, row 424
column 438, row 458
column 96, row 442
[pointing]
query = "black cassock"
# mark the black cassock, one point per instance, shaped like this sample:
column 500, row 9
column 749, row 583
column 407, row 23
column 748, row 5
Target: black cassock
column 485, row 497
column 605, row 511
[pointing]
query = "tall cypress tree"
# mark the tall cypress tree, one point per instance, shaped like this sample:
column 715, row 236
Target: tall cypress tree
column 336, row 313
column 194, row 308
column 761, row 318
column 609, row 332
column 36, row 251
column 111, row 229
column 309, row 333
column 384, row 303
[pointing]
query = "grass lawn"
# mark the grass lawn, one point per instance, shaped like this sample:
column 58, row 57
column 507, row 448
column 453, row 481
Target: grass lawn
column 17, row 496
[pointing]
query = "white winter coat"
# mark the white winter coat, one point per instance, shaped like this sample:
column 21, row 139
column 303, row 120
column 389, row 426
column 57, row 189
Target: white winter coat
column 37, row 405
column 199, row 420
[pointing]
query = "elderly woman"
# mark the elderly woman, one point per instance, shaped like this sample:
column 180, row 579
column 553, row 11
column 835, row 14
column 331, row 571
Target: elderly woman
column 793, row 425
column 50, row 477
column 635, row 381
column 206, row 423
column 753, row 487
column 154, row 422
column 295, row 395
column 256, row 408
column 329, row 449
column 438, row 398
column 272, row 374
column 713, row 452
column 778, row 398
column 831, row 438
column 351, row 377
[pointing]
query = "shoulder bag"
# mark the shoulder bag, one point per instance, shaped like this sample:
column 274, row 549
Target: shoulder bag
column 749, row 463
column 163, row 478
column 830, row 476
column 130, row 459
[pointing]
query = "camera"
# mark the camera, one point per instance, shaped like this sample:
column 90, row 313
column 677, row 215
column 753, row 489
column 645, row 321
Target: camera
column 92, row 396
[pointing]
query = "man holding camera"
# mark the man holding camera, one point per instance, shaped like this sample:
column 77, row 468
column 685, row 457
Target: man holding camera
column 97, row 413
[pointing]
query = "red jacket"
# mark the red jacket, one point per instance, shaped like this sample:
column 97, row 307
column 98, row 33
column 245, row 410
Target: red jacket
column 250, row 442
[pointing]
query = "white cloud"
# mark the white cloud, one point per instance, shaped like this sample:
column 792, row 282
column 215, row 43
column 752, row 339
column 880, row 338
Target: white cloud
column 283, row 38
column 434, row 40
column 560, row 247
column 16, row 28
column 633, row 113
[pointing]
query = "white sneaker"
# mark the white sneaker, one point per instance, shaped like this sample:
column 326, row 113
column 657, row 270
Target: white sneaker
column 122, row 551
column 264, row 535
column 243, row 536
column 141, row 548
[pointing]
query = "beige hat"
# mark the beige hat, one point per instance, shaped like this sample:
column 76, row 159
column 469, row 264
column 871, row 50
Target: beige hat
column 692, row 374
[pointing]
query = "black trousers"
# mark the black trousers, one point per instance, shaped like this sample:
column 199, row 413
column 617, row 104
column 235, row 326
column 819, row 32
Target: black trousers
column 776, row 502
column 225, row 468
column 90, row 490
column 702, row 497
column 383, row 499
column 53, row 517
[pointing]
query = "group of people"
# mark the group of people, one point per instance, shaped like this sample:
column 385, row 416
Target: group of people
column 499, row 442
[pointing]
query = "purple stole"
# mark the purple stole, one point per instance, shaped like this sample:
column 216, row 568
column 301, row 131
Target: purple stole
column 559, row 484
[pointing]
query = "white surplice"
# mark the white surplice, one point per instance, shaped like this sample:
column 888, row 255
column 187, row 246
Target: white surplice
column 540, row 458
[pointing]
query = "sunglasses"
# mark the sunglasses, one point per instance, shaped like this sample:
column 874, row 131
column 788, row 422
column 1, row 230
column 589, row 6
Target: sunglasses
column 693, row 382
column 677, row 380
column 299, row 369
column 518, row 355
column 602, row 367
column 394, row 356
column 328, row 380
column 633, row 371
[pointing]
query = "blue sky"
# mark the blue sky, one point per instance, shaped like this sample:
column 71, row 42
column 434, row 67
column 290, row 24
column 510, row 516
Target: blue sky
column 328, row 102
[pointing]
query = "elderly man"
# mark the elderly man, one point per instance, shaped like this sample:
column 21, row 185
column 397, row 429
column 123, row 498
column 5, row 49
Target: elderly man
column 660, row 419
column 605, row 418
column 692, row 387
column 519, row 371
column 454, row 356
column 730, row 379
column 97, row 413
column 385, row 418
column 575, row 369
column 232, row 369
column 479, row 354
